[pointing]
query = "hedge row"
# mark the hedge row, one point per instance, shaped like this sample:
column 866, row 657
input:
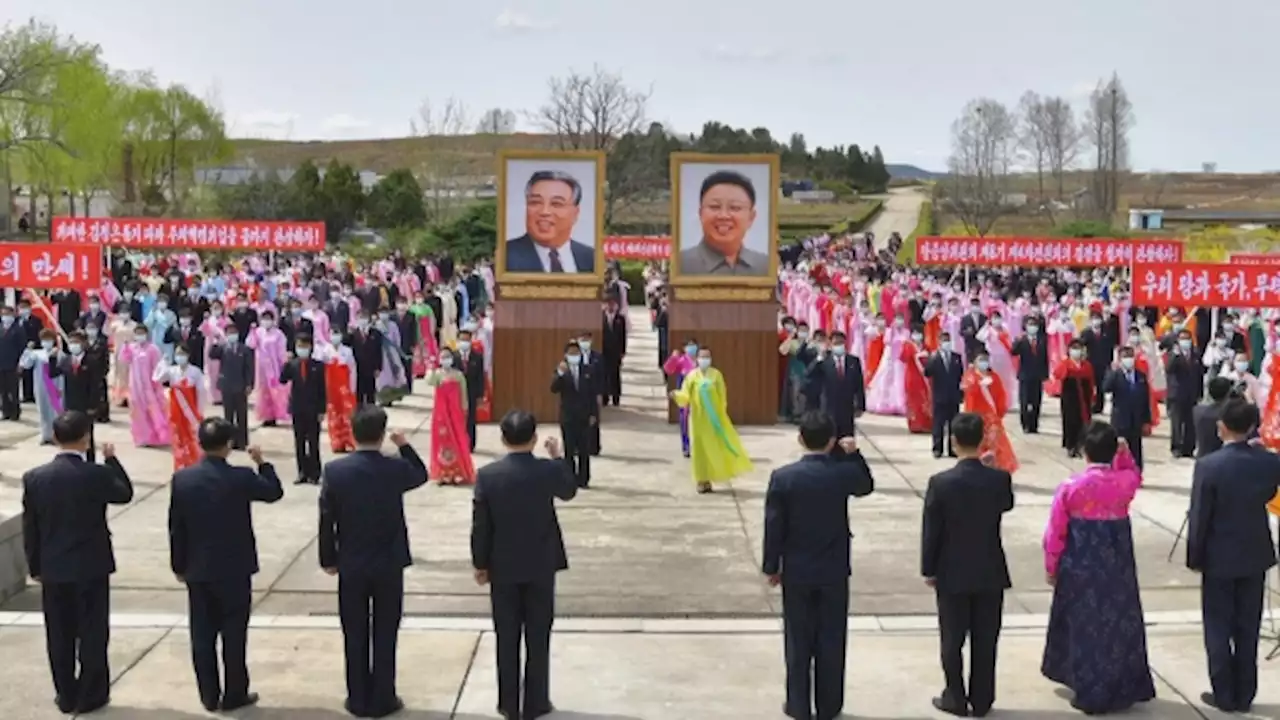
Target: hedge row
column 925, row 225
column 870, row 208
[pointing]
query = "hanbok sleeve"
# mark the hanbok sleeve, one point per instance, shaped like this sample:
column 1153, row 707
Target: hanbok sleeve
column 682, row 396
column 1128, row 474
column 1055, row 534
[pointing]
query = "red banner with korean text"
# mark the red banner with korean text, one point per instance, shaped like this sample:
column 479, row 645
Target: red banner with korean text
column 1044, row 252
column 1254, row 259
column 177, row 234
column 50, row 267
column 1210, row 285
column 637, row 247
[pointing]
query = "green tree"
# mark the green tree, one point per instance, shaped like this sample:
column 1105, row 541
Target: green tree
column 263, row 197
column 308, row 200
column 396, row 202
column 343, row 198
column 877, row 173
column 473, row 234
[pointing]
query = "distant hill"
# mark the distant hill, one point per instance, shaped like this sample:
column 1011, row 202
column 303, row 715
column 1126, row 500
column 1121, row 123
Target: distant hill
column 910, row 172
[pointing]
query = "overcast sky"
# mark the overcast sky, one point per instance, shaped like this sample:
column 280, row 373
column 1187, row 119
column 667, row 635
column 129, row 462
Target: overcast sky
column 1202, row 76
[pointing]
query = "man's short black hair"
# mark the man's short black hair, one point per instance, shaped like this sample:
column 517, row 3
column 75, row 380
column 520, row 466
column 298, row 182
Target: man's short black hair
column 572, row 346
column 728, row 177
column 70, row 427
column 518, row 427
column 1239, row 416
column 303, row 338
column 215, row 434
column 1100, row 442
column 817, row 429
column 966, row 430
column 369, row 424
column 575, row 187
column 1219, row 389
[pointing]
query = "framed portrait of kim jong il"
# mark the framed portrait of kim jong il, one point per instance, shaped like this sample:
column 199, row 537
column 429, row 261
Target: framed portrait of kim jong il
column 724, row 219
column 550, row 217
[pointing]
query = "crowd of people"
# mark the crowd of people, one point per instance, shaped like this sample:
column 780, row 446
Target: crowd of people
column 322, row 343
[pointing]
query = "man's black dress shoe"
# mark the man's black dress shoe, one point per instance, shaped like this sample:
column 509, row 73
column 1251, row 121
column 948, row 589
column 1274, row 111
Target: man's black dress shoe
column 64, row 707
column 237, row 703
column 93, row 706
column 396, row 706
column 942, row 705
column 532, row 714
column 1208, row 699
column 352, row 710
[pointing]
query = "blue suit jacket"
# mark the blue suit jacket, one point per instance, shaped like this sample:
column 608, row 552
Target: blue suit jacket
column 1228, row 533
column 806, row 517
column 523, row 258
column 1131, row 405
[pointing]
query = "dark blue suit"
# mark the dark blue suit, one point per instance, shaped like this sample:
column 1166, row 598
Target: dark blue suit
column 1131, row 406
column 844, row 394
column 522, row 256
column 1033, row 370
column 944, row 384
column 1229, row 543
column 212, row 548
column 363, row 535
column 806, row 540
column 13, row 341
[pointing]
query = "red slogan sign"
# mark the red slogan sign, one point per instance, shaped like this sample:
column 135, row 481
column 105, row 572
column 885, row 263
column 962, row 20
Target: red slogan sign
column 177, row 234
column 637, row 247
column 1041, row 252
column 1254, row 259
column 50, row 267
column 1209, row 285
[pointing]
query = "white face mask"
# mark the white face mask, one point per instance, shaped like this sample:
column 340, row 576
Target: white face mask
column 1033, row 329
column 75, row 348
column 1076, row 354
column 304, row 352
column 335, row 338
column 704, row 362
column 181, row 359
column 945, row 346
column 1127, row 363
column 268, row 324
column 917, row 337
column 996, row 322
column 446, row 362
column 983, row 365
column 1242, row 366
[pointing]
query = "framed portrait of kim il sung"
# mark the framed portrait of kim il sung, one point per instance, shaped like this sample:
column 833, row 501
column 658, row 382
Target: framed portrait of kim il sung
column 550, row 217
column 724, row 222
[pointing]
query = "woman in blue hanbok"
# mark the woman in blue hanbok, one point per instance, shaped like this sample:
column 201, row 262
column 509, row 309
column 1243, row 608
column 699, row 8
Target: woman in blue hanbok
column 1096, row 643
column 48, row 389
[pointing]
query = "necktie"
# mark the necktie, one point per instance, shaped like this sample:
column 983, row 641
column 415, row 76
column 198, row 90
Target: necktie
column 575, row 377
column 840, row 369
column 944, row 361
column 556, row 266
column 303, row 365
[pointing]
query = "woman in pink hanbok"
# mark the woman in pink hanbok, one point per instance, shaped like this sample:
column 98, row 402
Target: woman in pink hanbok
column 268, row 343
column 319, row 320
column 951, row 325
column 120, row 332
column 148, row 421
column 1060, row 332
column 999, row 345
column 214, row 329
column 887, row 391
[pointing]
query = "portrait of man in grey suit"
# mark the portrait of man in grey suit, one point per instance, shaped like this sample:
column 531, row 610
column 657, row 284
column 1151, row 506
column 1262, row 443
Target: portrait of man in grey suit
column 553, row 203
column 726, row 213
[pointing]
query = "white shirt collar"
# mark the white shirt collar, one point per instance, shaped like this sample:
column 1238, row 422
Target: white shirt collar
column 566, row 257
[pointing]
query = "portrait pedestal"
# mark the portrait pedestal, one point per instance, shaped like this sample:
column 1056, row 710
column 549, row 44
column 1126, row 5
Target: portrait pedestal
column 532, row 323
column 740, row 328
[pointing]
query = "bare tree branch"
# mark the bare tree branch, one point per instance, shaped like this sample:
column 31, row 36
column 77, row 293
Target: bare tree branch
column 1062, row 139
column 1107, row 124
column 983, row 146
column 497, row 121
column 443, row 173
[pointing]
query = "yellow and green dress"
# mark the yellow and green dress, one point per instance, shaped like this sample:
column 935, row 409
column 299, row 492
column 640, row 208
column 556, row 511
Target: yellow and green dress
column 716, row 451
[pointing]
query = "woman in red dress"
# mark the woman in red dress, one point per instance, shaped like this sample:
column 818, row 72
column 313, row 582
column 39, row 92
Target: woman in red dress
column 451, row 462
column 919, row 399
column 875, row 348
column 985, row 395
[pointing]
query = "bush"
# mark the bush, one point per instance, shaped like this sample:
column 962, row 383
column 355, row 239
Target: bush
column 632, row 274
column 926, row 225
column 1089, row 229
column 867, row 212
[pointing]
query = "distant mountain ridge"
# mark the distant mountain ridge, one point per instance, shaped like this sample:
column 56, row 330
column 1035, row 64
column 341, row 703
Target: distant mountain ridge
column 910, row 172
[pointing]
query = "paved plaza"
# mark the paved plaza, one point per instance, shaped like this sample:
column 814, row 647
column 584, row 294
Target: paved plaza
column 665, row 613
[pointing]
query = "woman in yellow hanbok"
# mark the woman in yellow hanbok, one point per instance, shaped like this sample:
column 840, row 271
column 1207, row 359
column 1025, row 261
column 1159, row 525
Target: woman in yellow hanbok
column 715, row 448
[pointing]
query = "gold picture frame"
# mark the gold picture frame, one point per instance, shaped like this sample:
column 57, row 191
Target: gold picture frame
column 769, row 160
column 500, row 259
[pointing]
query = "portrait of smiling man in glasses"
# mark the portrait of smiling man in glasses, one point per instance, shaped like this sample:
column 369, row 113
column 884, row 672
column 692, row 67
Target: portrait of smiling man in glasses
column 726, row 213
column 552, row 204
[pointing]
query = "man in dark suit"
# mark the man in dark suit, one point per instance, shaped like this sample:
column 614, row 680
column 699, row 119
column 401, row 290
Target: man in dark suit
column 614, row 341
column 97, row 354
column 213, row 551
column 366, row 346
column 806, row 551
column 552, row 202
column 189, row 337
column 593, row 360
column 13, row 342
column 945, row 370
column 407, row 324
column 1131, row 401
column 307, row 407
column 362, row 502
column 243, row 317
column 471, row 364
column 1207, row 415
column 962, row 558
column 844, row 394
column 80, row 382
column 517, row 549
column 1185, row 372
column 575, row 383
column 68, row 549
column 970, row 324
column 1229, row 543
column 32, row 324
column 1100, row 348
column 1032, row 352
column 94, row 315
column 235, row 382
